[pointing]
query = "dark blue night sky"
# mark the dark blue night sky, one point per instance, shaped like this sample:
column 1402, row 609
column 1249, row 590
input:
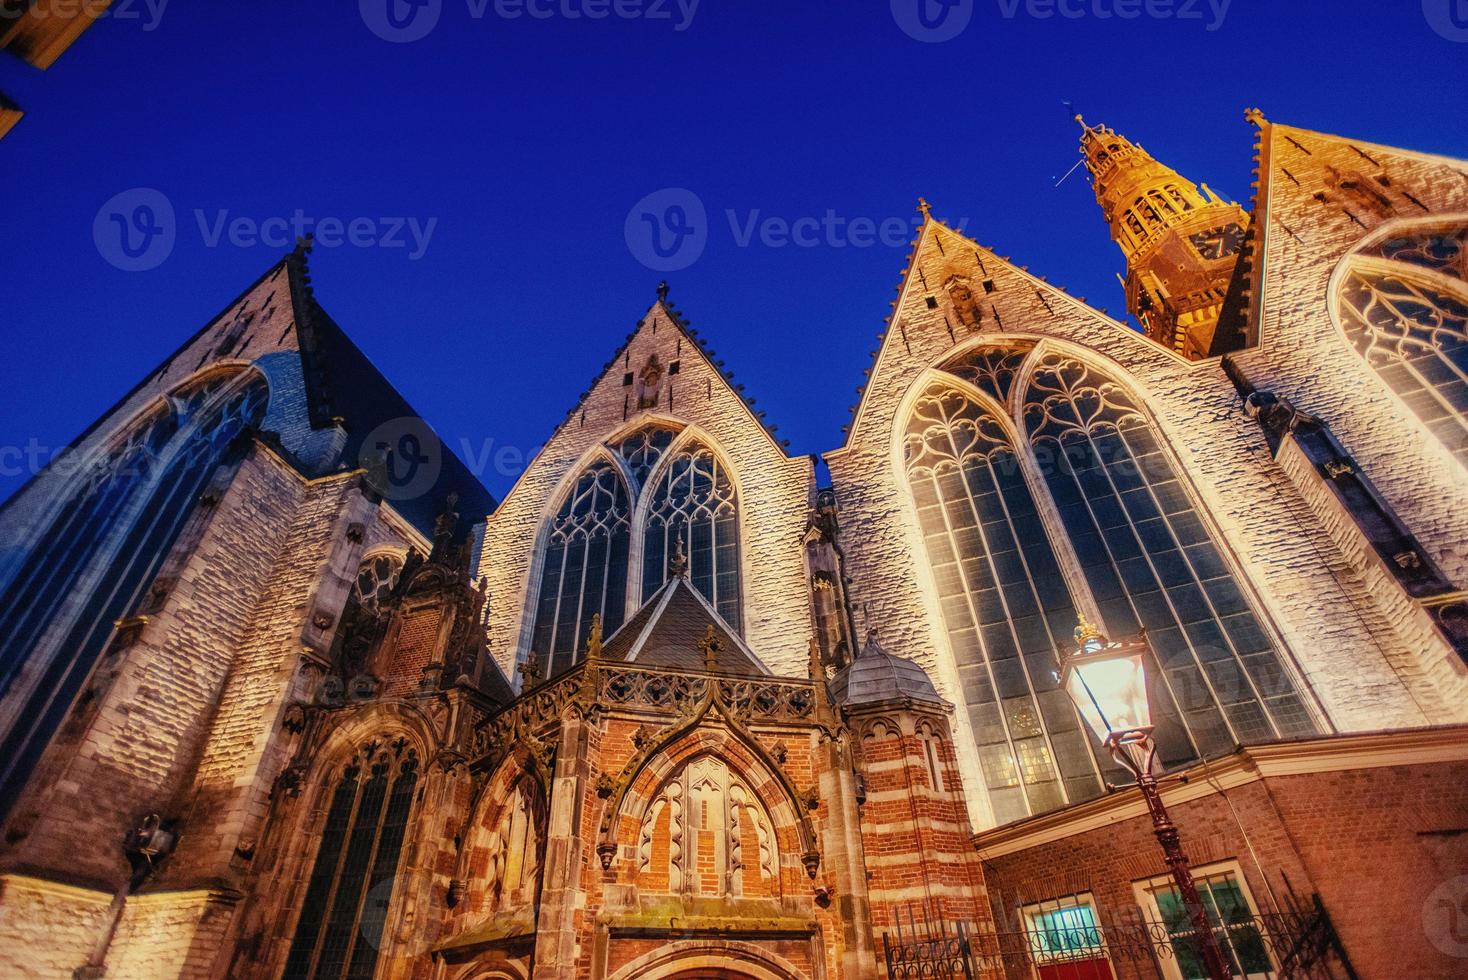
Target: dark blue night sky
column 519, row 145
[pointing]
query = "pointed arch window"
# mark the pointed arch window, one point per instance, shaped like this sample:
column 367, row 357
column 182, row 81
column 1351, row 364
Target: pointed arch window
column 585, row 570
column 642, row 450
column 340, row 929
column 1003, row 599
column 1151, row 562
column 1403, row 305
column 101, row 551
column 694, row 499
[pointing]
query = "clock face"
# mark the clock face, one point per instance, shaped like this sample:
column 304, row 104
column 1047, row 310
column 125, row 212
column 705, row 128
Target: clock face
column 1219, row 243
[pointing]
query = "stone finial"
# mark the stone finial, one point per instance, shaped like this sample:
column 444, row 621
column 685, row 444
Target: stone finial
column 593, row 639
column 1255, row 117
column 710, row 646
column 678, row 564
column 924, row 208
column 663, row 290
column 530, row 670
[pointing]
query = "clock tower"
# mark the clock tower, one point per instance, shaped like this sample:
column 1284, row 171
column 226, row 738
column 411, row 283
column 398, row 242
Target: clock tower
column 1181, row 243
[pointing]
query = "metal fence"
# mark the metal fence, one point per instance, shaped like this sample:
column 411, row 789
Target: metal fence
column 1297, row 943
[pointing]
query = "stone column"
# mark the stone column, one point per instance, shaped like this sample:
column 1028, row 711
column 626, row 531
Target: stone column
column 566, row 849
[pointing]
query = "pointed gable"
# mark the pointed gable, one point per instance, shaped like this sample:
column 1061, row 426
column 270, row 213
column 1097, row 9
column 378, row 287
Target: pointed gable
column 662, row 375
column 673, row 627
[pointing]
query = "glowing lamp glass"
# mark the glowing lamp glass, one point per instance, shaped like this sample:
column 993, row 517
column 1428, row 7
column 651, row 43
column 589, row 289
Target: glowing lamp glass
column 1108, row 684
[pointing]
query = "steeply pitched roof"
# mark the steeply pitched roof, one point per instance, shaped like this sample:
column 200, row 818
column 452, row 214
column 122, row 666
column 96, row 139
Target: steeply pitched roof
column 669, row 631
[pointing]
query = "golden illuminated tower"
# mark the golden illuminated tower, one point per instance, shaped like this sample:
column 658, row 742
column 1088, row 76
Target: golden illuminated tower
column 1181, row 244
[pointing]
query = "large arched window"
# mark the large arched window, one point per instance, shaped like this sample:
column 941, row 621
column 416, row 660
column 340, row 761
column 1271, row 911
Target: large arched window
column 1151, row 562
column 340, row 929
column 1403, row 304
column 1004, row 603
column 585, row 570
column 102, row 549
column 694, row 500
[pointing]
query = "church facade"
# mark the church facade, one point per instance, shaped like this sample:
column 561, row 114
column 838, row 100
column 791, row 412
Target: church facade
column 285, row 693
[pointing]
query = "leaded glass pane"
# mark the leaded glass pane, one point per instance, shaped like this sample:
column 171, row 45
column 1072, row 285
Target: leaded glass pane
column 340, row 927
column 1415, row 336
column 694, row 500
column 585, row 568
column 115, row 532
column 1149, row 562
column 1002, row 598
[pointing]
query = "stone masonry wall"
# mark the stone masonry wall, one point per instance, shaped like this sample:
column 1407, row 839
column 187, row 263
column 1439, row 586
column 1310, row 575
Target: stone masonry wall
column 774, row 499
column 1275, row 541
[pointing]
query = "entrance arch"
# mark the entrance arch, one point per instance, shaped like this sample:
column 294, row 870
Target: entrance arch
column 724, row 960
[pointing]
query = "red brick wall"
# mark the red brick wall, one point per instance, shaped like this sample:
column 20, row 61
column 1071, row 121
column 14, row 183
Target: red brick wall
column 1373, row 843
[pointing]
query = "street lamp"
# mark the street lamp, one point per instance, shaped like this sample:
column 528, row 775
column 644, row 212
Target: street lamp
column 1108, row 683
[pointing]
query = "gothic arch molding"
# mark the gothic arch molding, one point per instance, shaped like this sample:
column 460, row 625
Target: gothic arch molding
column 678, row 959
column 634, row 791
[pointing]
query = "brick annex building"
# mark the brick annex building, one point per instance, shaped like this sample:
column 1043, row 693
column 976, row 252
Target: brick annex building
column 672, row 709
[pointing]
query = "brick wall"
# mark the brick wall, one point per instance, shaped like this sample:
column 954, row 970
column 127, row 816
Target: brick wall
column 1373, row 838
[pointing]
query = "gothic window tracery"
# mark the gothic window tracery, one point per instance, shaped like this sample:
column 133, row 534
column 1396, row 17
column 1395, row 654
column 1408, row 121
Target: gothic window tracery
column 1003, row 601
column 695, row 500
column 375, row 580
column 1150, row 562
column 585, row 569
column 643, row 449
column 707, row 834
column 340, row 928
column 114, row 530
column 1405, row 311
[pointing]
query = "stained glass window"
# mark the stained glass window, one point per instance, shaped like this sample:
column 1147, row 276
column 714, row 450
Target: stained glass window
column 1411, row 326
column 694, row 499
column 1004, row 603
column 585, row 571
column 340, row 930
column 1151, row 562
column 107, row 542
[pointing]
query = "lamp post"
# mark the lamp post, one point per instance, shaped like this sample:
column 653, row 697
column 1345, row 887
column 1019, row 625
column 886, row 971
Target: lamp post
column 1108, row 683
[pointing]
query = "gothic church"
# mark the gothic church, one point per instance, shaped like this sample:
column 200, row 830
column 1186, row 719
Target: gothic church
column 285, row 693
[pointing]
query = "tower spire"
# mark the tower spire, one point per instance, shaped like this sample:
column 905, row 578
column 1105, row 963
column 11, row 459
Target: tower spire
column 1181, row 243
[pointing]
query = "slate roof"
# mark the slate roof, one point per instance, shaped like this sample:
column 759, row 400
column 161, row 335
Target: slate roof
column 667, row 630
column 878, row 676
